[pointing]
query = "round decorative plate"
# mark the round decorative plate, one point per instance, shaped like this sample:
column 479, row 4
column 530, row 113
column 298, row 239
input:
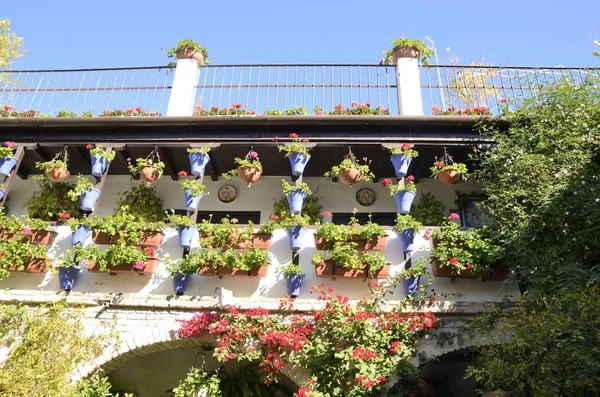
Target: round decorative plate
column 365, row 197
column 227, row 193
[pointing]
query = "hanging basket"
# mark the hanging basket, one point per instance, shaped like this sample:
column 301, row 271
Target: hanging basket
column 249, row 175
column 449, row 177
column 58, row 174
column 150, row 174
column 349, row 176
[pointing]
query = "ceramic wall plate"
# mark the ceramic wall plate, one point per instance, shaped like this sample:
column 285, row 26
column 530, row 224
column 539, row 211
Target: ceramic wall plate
column 365, row 197
column 227, row 193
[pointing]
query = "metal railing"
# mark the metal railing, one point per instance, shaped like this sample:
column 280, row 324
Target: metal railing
column 87, row 90
column 297, row 88
column 498, row 88
column 294, row 89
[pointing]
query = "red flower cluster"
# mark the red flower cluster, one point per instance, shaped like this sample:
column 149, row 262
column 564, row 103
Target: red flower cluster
column 363, row 354
column 237, row 105
column 195, row 326
column 395, row 347
column 65, row 216
column 410, row 178
column 293, row 135
column 275, row 138
column 150, row 252
column 182, row 173
column 453, row 261
column 365, row 381
column 328, row 214
column 405, row 146
column 453, row 216
column 386, row 182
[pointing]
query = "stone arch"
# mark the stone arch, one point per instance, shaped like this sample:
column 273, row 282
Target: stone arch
column 156, row 340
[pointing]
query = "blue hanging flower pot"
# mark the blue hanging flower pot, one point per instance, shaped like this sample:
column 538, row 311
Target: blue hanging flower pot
column 7, row 165
column 293, row 285
column 67, row 276
column 298, row 162
column 404, row 201
column 296, row 234
column 180, row 282
column 191, row 202
column 401, row 163
column 407, row 240
column 410, row 285
column 295, row 200
column 198, row 162
column 99, row 164
column 80, row 235
column 88, row 199
column 187, row 235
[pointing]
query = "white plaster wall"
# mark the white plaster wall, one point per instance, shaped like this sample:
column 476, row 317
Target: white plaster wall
column 334, row 197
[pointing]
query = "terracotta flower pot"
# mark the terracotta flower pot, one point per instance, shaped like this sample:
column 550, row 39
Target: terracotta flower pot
column 261, row 241
column 150, row 174
column 152, row 238
column 449, row 177
column 150, row 267
column 35, row 266
column 376, row 244
column 497, row 273
column 382, row 273
column 249, row 175
column 344, row 272
column 404, row 52
column 189, row 53
column 260, row 271
column 325, row 269
column 58, row 174
column 42, row 237
column 349, row 176
column 322, row 244
column 101, row 237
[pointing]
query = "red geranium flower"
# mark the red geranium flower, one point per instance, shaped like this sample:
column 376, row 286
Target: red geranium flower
column 453, row 261
column 405, row 146
column 275, row 138
column 410, row 178
column 386, row 182
column 453, row 216
column 293, row 135
column 182, row 173
column 149, row 251
column 64, row 216
column 328, row 214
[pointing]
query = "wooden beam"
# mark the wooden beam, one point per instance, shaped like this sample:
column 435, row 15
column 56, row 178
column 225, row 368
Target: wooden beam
column 416, row 167
column 83, row 154
column 379, row 164
column 41, row 153
column 8, row 181
column 169, row 168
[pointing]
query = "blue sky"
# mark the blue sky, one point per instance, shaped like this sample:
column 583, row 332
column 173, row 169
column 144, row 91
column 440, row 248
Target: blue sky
column 110, row 33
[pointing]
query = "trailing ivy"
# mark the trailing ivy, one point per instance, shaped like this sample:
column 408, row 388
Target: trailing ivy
column 542, row 180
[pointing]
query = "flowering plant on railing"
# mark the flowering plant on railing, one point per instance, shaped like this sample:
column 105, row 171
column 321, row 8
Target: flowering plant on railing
column 9, row 111
column 234, row 110
column 424, row 52
column 7, row 149
column 362, row 346
column 404, row 149
column 472, row 250
column 357, row 109
column 193, row 186
column 99, row 151
column 451, row 111
column 129, row 112
column 395, row 188
column 251, row 160
column 187, row 46
column 296, row 146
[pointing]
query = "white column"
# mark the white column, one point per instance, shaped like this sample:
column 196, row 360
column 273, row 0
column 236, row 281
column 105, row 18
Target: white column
column 408, row 77
column 183, row 93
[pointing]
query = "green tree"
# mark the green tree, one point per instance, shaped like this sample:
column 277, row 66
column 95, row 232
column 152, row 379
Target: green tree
column 11, row 45
column 46, row 345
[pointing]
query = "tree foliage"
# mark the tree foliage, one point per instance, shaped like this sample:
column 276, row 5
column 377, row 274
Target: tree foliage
column 47, row 345
column 11, row 46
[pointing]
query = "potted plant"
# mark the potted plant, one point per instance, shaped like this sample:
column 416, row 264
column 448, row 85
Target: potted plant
column 411, row 277
column 199, row 159
column 7, row 161
column 447, row 171
column 68, row 266
column 56, row 170
column 20, row 255
column 51, row 200
column 149, row 168
column 189, row 49
column 350, row 171
column 404, row 195
column 295, row 225
column 295, row 195
column 401, row 158
column 198, row 383
column 185, row 227
column 144, row 204
column 80, row 229
column 343, row 260
column 228, row 234
column 121, row 257
column 182, row 270
column 100, row 158
column 296, row 151
column 407, row 228
column 85, row 191
column 294, row 275
column 407, row 48
column 193, row 191
column 249, row 169
column 470, row 253
column 373, row 235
